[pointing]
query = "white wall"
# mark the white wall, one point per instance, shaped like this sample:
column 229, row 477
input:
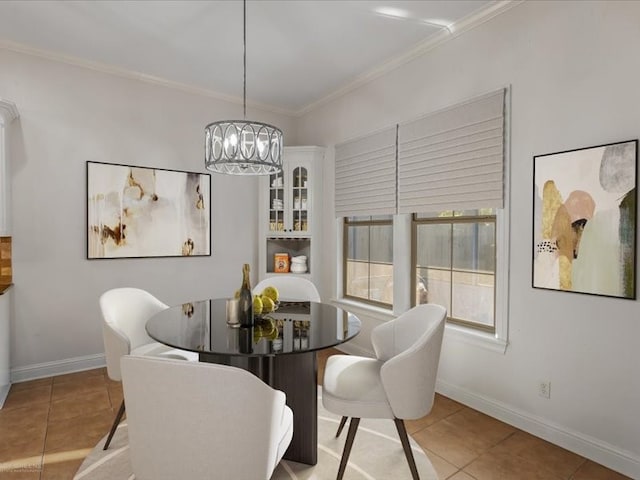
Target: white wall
column 69, row 115
column 574, row 70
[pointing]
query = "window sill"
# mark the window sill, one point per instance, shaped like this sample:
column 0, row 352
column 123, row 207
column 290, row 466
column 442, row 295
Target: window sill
column 358, row 308
column 452, row 332
column 474, row 337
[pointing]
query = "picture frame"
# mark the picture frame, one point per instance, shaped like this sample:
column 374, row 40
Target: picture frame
column 142, row 212
column 585, row 220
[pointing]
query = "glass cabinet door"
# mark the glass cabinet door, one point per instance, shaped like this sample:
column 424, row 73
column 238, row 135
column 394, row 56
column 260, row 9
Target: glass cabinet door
column 276, row 203
column 299, row 200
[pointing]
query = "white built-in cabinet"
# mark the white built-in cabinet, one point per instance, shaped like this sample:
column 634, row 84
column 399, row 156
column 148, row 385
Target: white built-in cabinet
column 5, row 367
column 8, row 113
column 290, row 211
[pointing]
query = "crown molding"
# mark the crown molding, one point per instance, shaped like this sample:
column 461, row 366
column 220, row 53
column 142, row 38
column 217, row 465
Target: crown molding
column 133, row 75
column 446, row 34
column 8, row 111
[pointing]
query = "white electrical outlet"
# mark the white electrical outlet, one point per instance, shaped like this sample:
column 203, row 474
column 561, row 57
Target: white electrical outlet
column 544, row 389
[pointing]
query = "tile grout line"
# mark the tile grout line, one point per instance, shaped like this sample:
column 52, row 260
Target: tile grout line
column 440, row 419
column 572, row 475
column 486, row 451
column 459, row 469
column 517, row 455
column 46, row 433
column 453, row 474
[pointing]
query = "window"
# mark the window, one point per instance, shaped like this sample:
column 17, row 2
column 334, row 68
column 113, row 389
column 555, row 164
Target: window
column 454, row 261
column 368, row 259
column 456, row 159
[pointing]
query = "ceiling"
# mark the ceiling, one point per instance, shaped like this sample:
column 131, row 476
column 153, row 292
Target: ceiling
column 299, row 52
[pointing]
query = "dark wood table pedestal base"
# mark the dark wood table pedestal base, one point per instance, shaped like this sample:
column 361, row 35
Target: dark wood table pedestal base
column 296, row 375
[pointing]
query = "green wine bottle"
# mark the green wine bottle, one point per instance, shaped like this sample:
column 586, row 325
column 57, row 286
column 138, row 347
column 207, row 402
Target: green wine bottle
column 245, row 301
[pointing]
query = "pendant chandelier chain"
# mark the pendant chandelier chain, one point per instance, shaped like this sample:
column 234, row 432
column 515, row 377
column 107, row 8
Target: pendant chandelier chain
column 244, row 58
column 243, row 147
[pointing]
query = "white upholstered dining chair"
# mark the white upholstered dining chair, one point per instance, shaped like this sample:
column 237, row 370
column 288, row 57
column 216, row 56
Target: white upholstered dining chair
column 202, row 421
column 398, row 384
column 125, row 312
column 291, row 287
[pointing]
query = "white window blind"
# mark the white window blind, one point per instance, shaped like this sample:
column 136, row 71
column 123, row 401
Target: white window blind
column 365, row 182
column 453, row 159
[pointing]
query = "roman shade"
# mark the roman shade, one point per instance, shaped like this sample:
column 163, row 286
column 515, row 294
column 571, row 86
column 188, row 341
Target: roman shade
column 365, row 175
column 453, row 159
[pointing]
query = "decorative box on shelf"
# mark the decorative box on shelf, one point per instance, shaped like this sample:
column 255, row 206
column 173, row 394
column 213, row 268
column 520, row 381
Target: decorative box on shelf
column 281, row 263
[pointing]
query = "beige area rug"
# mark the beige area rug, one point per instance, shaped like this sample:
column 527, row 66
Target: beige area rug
column 376, row 455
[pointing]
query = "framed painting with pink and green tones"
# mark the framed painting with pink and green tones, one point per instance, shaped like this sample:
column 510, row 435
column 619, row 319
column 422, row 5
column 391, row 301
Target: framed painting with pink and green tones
column 584, row 220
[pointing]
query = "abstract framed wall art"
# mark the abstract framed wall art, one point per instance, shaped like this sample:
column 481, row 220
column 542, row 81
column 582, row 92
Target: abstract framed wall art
column 584, row 220
column 136, row 212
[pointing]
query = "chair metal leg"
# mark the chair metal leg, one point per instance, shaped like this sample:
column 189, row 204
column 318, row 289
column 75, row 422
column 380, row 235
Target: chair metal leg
column 351, row 434
column 116, row 421
column 404, row 439
column 343, row 421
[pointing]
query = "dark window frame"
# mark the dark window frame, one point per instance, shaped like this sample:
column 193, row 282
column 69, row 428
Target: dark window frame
column 361, row 222
column 451, row 220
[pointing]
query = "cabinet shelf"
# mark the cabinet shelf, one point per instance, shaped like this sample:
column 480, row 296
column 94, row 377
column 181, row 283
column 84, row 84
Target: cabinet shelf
column 290, row 239
column 294, row 247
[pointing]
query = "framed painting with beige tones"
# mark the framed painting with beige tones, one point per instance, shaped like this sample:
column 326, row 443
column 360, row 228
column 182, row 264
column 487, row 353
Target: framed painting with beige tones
column 136, row 212
column 584, row 220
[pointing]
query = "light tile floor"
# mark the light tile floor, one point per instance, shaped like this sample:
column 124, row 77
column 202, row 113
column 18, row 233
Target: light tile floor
column 48, row 426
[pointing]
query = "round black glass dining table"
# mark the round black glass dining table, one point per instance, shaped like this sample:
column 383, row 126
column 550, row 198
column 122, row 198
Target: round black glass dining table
column 295, row 327
column 280, row 349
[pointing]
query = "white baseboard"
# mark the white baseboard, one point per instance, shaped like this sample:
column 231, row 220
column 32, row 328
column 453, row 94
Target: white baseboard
column 59, row 367
column 600, row 452
column 4, row 391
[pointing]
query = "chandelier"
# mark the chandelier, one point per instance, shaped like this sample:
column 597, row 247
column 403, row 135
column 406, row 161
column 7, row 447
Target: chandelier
column 243, row 147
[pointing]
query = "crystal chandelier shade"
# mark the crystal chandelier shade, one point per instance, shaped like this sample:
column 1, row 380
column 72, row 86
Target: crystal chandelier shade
column 243, row 147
